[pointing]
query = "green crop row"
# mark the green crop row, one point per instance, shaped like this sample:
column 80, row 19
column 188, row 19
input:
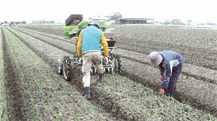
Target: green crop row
column 3, row 98
column 23, row 52
column 145, row 101
column 23, row 55
column 149, row 104
column 8, row 38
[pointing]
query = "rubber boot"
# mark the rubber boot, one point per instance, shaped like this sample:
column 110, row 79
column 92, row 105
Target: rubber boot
column 100, row 77
column 87, row 95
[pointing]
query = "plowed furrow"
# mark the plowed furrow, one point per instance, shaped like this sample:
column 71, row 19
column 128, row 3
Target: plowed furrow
column 45, row 87
column 189, row 70
column 150, row 79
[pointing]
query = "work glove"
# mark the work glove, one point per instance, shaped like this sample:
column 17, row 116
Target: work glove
column 106, row 60
column 80, row 60
column 162, row 91
column 162, row 78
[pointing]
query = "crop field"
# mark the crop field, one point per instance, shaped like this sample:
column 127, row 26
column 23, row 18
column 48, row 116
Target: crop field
column 31, row 89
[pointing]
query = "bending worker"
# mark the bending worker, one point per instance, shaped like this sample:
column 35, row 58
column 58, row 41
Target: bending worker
column 89, row 48
column 170, row 65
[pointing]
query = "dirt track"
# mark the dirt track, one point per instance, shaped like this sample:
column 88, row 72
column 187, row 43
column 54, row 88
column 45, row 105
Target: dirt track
column 128, row 100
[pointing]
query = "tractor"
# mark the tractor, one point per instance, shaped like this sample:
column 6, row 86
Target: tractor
column 69, row 63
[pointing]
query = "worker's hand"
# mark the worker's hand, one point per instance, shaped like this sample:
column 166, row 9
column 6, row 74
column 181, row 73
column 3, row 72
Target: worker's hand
column 162, row 91
column 106, row 60
column 162, row 78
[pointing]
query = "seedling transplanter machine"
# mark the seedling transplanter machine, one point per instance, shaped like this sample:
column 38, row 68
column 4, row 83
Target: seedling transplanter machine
column 68, row 63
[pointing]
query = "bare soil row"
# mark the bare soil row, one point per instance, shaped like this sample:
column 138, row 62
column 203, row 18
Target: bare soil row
column 199, row 72
column 196, row 44
column 50, row 53
column 198, row 47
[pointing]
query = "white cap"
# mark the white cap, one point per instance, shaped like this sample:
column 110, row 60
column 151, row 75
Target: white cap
column 155, row 58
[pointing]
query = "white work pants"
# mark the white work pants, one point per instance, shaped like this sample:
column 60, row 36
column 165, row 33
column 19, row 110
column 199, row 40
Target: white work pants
column 87, row 62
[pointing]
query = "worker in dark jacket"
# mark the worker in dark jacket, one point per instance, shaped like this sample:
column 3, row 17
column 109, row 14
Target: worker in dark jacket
column 170, row 64
column 89, row 48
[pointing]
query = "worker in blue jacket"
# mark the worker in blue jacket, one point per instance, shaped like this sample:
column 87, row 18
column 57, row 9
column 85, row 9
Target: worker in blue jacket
column 170, row 65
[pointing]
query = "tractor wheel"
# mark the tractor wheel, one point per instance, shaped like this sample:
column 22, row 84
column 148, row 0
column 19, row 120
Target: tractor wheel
column 107, row 70
column 60, row 68
column 80, row 70
column 111, row 70
column 117, row 67
column 67, row 68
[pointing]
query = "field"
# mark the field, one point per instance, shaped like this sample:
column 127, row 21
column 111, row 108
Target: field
column 32, row 90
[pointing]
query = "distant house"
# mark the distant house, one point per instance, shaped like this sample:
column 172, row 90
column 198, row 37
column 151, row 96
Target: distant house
column 114, row 16
column 51, row 22
column 174, row 22
column 136, row 21
column 15, row 22
column 23, row 22
column 35, row 21
column 117, row 18
column 99, row 18
column 110, row 19
column 43, row 22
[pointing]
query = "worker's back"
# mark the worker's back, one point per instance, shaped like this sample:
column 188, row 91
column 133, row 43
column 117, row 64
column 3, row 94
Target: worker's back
column 91, row 39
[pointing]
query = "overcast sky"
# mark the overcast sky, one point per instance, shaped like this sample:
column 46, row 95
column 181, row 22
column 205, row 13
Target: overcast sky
column 196, row 10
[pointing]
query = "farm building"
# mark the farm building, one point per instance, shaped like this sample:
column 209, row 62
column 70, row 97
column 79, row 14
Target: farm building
column 136, row 21
column 99, row 18
column 115, row 16
column 111, row 16
column 42, row 22
column 17, row 22
column 119, row 19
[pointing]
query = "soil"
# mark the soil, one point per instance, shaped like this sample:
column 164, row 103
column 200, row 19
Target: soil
column 36, row 92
